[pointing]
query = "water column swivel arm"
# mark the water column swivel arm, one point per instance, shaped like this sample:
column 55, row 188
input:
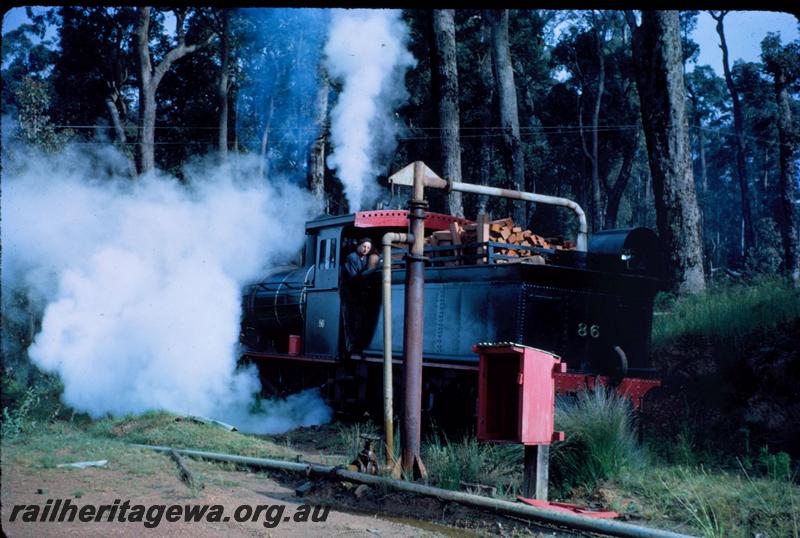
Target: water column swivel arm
column 430, row 179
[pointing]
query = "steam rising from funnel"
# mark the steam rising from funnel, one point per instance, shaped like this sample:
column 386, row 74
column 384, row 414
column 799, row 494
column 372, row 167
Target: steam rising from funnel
column 140, row 281
column 366, row 51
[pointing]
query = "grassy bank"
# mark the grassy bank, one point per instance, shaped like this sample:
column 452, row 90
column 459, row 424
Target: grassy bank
column 602, row 464
column 46, row 444
column 709, row 502
column 728, row 315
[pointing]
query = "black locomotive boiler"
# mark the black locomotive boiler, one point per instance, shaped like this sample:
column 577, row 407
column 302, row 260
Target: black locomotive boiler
column 594, row 309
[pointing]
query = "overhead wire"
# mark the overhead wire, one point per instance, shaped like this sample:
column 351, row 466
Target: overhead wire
column 528, row 130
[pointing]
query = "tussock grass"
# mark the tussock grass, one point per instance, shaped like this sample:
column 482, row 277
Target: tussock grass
column 727, row 313
column 716, row 503
column 451, row 462
column 600, row 441
column 351, row 443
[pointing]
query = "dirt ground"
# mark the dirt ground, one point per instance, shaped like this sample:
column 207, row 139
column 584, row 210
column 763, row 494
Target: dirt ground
column 148, row 478
column 228, row 488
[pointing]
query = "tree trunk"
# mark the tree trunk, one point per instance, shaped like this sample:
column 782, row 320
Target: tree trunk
column 786, row 217
column 150, row 77
column 697, row 122
column 316, row 159
column 643, row 208
column 701, row 151
column 264, row 163
column 659, row 77
column 113, row 111
column 597, row 200
column 486, row 80
column 147, row 129
column 235, row 119
column 224, row 84
column 444, row 31
column 507, row 101
column 145, row 150
column 116, row 122
column 614, row 193
column 738, row 126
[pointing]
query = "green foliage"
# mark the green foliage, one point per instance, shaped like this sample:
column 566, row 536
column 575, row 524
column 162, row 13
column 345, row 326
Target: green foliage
column 600, row 441
column 18, row 420
column 765, row 257
column 27, row 404
column 35, row 127
column 682, row 450
column 729, row 313
column 26, row 52
column 775, row 466
column 96, row 61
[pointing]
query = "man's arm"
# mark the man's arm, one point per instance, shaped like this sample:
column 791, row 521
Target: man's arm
column 352, row 266
column 373, row 264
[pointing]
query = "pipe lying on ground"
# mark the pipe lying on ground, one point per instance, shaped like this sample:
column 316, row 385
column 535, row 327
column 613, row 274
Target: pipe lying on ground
column 388, row 404
column 612, row 528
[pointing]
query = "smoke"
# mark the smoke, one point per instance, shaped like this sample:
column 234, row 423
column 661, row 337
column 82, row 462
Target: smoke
column 366, row 50
column 139, row 281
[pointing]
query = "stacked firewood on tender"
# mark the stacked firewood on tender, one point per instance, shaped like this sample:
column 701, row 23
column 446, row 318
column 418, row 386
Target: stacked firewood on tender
column 497, row 231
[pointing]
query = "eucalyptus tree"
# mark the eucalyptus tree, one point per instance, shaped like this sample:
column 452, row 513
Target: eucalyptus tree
column 507, row 102
column 316, row 156
column 279, row 86
column 27, row 53
column 597, row 72
column 782, row 62
column 224, row 84
column 659, row 78
column 445, row 86
column 93, row 76
column 705, row 91
column 738, row 124
column 476, row 104
column 155, row 55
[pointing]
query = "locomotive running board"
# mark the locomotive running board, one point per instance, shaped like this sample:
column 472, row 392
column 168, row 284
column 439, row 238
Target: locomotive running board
column 566, row 383
column 633, row 387
column 286, row 356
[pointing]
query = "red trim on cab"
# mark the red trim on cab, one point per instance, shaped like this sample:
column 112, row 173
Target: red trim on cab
column 399, row 218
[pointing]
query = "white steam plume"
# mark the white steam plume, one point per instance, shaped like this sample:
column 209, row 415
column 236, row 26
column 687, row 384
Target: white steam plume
column 366, row 51
column 140, row 281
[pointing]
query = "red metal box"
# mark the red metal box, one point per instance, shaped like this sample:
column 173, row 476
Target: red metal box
column 516, row 394
column 295, row 344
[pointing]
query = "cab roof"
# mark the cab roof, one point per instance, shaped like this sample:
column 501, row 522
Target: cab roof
column 384, row 218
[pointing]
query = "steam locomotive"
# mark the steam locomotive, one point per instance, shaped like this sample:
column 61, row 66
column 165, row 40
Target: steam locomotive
column 594, row 309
